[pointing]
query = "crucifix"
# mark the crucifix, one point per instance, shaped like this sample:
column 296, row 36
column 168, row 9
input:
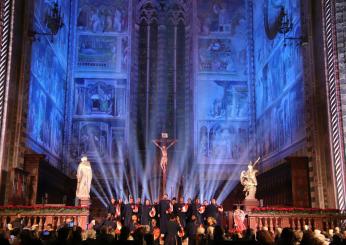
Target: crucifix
column 164, row 144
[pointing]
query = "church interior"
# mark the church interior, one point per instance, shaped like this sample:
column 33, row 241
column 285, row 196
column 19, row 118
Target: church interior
column 180, row 97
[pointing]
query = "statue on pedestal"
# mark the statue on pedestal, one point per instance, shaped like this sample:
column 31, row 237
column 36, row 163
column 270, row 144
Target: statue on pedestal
column 249, row 181
column 84, row 177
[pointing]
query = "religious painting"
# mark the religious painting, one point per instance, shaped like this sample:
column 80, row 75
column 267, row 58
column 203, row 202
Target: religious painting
column 279, row 79
column 97, row 52
column 297, row 111
column 221, row 55
column 220, row 16
column 57, row 121
column 102, row 16
column 282, row 124
column 46, row 99
column 37, row 109
column 93, row 139
column 45, row 121
column 118, row 143
column 124, row 54
column 100, row 97
column 49, row 72
column 222, row 142
column 222, row 100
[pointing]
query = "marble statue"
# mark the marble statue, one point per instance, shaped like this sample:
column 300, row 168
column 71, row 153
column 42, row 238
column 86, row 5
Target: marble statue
column 249, row 181
column 84, row 177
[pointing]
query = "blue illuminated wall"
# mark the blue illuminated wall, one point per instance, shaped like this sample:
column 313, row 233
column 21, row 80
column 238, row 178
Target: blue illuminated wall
column 221, row 90
column 47, row 84
column 218, row 55
column 279, row 80
column 99, row 81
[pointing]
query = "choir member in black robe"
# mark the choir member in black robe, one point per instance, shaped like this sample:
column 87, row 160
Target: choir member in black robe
column 189, row 210
column 128, row 212
column 108, row 221
column 111, row 207
column 175, row 206
column 212, row 209
column 191, row 230
column 195, row 210
column 156, row 235
column 205, row 214
column 138, row 208
column 121, row 204
column 134, row 223
column 153, row 225
column 180, row 211
column 163, row 208
column 172, row 231
column 156, row 206
column 145, row 218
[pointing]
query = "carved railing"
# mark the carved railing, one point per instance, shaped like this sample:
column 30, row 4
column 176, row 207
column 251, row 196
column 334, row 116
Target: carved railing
column 296, row 219
column 42, row 215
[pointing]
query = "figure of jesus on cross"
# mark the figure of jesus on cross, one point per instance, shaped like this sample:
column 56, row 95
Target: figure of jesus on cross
column 164, row 144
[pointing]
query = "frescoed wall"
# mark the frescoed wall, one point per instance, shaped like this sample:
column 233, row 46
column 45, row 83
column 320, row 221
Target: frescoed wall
column 100, row 97
column 100, row 80
column 48, row 84
column 102, row 41
column 218, row 54
column 221, row 92
column 279, row 78
column 102, row 16
column 99, row 118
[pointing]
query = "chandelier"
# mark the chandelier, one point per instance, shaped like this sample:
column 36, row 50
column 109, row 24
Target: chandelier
column 286, row 26
column 53, row 22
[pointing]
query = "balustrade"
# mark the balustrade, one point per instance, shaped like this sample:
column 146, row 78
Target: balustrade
column 258, row 221
column 44, row 215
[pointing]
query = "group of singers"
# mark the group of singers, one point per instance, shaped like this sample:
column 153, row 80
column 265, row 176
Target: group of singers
column 167, row 215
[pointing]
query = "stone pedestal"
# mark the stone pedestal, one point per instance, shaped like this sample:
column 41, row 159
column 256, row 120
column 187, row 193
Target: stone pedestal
column 84, row 202
column 249, row 204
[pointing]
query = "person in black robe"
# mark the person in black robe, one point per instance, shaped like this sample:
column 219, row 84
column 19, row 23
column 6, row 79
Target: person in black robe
column 181, row 212
column 172, row 230
column 175, row 206
column 205, row 214
column 145, row 218
column 138, row 208
column 157, row 214
column 189, row 209
column 156, row 235
column 191, row 230
column 121, row 204
column 109, row 221
column 212, row 209
column 153, row 225
column 128, row 212
column 134, row 223
column 195, row 210
column 111, row 207
column 163, row 210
